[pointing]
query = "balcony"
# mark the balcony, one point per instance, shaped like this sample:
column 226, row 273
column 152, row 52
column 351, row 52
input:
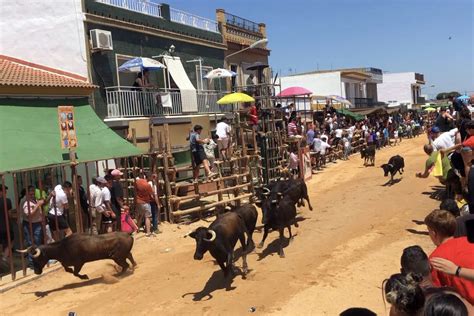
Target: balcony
column 128, row 102
column 140, row 6
column 242, row 23
column 420, row 100
column 362, row 102
column 192, row 20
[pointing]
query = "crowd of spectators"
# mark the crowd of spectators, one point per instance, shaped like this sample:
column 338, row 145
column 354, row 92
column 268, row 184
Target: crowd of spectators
column 442, row 283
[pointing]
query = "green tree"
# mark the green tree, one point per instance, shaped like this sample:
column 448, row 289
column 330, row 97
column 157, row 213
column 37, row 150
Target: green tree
column 447, row 95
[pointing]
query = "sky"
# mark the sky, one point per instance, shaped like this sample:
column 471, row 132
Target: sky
column 433, row 37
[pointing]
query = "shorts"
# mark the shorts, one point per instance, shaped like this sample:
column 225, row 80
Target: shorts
column 223, row 143
column 62, row 222
column 198, row 157
column 144, row 209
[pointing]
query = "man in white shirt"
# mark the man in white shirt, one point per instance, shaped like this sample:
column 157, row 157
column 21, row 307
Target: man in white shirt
column 95, row 192
column 443, row 140
column 58, row 205
column 223, row 131
column 108, row 215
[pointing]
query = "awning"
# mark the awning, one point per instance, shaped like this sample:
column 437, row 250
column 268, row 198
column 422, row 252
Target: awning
column 188, row 92
column 30, row 137
column 368, row 111
column 355, row 116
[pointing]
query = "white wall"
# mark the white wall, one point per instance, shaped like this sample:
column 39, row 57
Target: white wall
column 396, row 87
column 319, row 83
column 46, row 32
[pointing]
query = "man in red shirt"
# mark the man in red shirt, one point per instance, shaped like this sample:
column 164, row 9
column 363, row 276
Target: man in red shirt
column 441, row 226
column 143, row 198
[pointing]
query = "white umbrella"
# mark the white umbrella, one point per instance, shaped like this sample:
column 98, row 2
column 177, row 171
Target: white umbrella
column 140, row 64
column 220, row 73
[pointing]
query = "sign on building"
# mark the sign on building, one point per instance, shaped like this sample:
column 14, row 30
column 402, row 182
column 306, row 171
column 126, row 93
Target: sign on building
column 67, row 127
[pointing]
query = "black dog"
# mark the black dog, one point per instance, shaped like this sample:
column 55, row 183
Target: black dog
column 394, row 165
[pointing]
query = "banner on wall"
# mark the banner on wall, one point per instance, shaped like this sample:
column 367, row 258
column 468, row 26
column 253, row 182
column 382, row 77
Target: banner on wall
column 67, row 127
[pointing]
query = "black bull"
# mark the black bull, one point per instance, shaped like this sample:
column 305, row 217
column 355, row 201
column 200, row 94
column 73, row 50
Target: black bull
column 220, row 239
column 77, row 249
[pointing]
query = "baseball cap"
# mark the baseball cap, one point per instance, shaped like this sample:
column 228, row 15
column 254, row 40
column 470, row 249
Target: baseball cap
column 101, row 180
column 116, row 172
column 435, row 129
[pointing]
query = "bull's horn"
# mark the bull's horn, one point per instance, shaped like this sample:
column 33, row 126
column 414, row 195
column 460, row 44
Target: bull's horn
column 266, row 194
column 37, row 253
column 213, row 235
column 266, row 189
column 23, row 250
column 280, row 194
column 189, row 233
column 228, row 208
column 274, row 201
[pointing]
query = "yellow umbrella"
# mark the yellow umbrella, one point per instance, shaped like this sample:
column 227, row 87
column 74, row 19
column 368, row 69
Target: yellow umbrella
column 430, row 109
column 235, row 97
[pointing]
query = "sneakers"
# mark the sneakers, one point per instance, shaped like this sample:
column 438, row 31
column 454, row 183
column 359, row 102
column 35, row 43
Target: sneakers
column 150, row 235
column 211, row 175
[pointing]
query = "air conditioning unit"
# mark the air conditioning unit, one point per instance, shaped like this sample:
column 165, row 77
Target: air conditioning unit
column 101, row 40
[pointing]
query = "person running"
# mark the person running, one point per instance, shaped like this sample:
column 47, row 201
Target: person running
column 143, row 198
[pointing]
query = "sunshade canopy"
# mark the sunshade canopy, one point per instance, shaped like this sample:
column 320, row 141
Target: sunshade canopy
column 351, row 114
column 430, row 109
column 235, row 97
column 293, row 92
column 139, row 64
column 257, row 66
column 220, row 73
column 30, row 136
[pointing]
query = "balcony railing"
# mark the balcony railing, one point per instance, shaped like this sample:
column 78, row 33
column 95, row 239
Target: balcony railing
column 362, row 102
column 241, row 23
column 140, row 6
column 128, row 102
column 192, row 20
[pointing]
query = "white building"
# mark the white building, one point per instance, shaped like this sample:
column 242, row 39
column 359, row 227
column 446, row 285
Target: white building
column 403, row 88
column 358, row 85
column 49, row 33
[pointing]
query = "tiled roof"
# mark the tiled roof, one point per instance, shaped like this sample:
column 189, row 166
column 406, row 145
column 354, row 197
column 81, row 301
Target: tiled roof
column 17, row 72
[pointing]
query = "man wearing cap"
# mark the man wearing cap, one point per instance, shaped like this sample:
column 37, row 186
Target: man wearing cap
column 3, row 224
column 116, row 192
column 443, row 140
column 58, row 205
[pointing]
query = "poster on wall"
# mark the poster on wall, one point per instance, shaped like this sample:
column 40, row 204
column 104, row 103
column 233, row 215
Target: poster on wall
column 67, row 126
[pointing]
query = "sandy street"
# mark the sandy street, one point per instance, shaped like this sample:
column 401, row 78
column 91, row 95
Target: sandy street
column 343, row 251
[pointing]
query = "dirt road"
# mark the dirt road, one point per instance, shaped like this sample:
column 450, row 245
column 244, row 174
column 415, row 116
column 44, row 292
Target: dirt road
column 341, row 254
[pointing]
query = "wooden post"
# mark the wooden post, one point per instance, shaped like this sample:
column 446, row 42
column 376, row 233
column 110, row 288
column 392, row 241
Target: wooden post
column 19, row 209
column 134, row 137
column 167, row 138
column 169, row 212
column 7, row 221
column 75, row 185
column 150, row 136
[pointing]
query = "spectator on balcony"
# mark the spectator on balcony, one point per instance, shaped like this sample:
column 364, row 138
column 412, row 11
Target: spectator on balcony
column 250, row 85
column 142, row 81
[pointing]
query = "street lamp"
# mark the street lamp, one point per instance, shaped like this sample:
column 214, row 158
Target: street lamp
column 253, row 45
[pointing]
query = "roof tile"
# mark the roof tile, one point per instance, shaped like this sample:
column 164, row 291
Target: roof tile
column 17, row 72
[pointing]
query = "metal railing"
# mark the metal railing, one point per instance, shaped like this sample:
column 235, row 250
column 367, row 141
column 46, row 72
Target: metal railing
column 362, row 102
column 140, row 6
column 241, row 23
column 192, row 20
column 130, row 102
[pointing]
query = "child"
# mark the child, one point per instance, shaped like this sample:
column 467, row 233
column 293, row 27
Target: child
column 294, row 163
column 347, row 147
column 128, row 224
column 209, row 149
column 395, row 136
